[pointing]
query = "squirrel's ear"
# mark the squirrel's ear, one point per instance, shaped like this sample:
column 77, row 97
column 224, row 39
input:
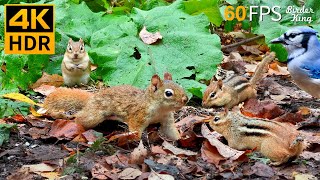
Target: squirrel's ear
column 167, row 76
column 70, row 40
column 155, row 82
column 81, row 40
column 220, row 83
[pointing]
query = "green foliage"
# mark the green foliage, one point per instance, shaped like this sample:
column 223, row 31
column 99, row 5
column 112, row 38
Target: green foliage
column 187, row 48
column 101, row 145
column 121, row 7
column 9, row 107
column 22, row 70
column 5, row 132
column 278, row 27
column 209, row 7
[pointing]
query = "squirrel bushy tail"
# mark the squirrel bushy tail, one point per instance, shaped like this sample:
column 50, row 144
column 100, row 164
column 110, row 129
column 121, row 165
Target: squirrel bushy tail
column 258, row 74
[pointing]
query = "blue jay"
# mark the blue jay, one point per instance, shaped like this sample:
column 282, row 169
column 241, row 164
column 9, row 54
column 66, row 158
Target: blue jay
column 303, row 49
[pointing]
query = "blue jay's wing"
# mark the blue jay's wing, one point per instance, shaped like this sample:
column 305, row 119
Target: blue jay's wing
column 313, row 70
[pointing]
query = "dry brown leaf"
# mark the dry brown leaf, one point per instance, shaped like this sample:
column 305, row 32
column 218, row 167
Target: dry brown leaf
column 157, row 150
column 311, row 155
column 304, row 111
column 223, row 149
column 149, row 38
column 130, row 173
column 210, row 153
column 138, row 154
column 275, row 69
column 101, row 172
column 52, row 80
column 262, row 170
column 90, row 135
column 261, row 109
column 156, row 176
column 177, row 151
column 45, row 89
column 42, row 167
column 62, row 129
column 252, row 49
column 301, row 176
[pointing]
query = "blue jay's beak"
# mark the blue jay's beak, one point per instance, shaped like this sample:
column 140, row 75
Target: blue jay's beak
column 277, row 40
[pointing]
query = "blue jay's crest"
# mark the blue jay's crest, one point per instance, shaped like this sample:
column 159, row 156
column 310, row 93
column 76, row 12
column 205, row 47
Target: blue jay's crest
column 303, row 49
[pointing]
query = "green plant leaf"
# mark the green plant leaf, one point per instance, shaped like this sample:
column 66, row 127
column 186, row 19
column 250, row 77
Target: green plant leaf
column 209, row 7
column 187, row 48
column 5, row 132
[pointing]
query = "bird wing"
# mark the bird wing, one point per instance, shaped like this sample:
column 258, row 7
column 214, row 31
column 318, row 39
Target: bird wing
column 313, row 70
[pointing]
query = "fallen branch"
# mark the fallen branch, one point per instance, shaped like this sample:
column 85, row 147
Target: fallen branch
column 241, row 42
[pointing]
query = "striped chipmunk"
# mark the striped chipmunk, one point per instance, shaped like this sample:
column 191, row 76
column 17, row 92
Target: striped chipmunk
column 280, row 142
column 234, row 89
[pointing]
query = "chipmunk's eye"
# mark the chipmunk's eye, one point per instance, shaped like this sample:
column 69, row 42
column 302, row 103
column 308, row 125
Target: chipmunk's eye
column 69, row 48
column 216, row 118
column 168, row 93
column 212, row 95
column 81, row 48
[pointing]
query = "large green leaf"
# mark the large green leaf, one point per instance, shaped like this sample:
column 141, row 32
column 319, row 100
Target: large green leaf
column 209, row 7
column 187, row 48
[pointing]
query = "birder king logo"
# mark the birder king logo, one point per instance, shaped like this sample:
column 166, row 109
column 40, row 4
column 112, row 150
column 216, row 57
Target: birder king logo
column 29, row 29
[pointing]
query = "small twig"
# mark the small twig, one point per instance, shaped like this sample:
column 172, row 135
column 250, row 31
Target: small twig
column 241, row 42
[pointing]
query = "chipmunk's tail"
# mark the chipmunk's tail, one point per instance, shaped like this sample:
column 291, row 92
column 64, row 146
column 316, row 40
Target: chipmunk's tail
column 258, row 74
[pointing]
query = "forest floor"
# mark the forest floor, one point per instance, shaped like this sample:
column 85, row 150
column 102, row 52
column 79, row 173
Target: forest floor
column 41, row 148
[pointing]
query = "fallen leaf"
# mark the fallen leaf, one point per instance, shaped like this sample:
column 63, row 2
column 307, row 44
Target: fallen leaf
column 100, row 171
column 252, row 49
column 304, row 111
column 130, row 173
column 157, row 150
column 292, row 118
column 301, row 176
column 52, row 80
column 311, row 155
column 262, row 170
column 161, row 167
column 138, row 154
column 177, row 151
column 20, row 97
column 45, row 89
column 155, row 176
column 62, row 129
column 149, row 38
column 261, row 109
column 34, row 112
column 223, row 149
column 275, row 69
column 90, row 135
column 18, row 118
column 42, row 167
column 210, row 153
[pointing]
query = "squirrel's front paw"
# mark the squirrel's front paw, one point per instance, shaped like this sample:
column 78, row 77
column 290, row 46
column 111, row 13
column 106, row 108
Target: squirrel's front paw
column 170, row 132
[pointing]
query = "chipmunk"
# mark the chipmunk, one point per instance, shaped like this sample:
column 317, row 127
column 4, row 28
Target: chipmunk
column 234, row 89
column 65, row 102
column 75, row 65
column 137, row 108
column 280, row 142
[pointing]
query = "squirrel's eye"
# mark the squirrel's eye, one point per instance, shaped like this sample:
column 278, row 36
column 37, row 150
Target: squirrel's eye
column 168, row 93
column 212, row 94
column 216, row 118
column 69, row 48
column 81, row 48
